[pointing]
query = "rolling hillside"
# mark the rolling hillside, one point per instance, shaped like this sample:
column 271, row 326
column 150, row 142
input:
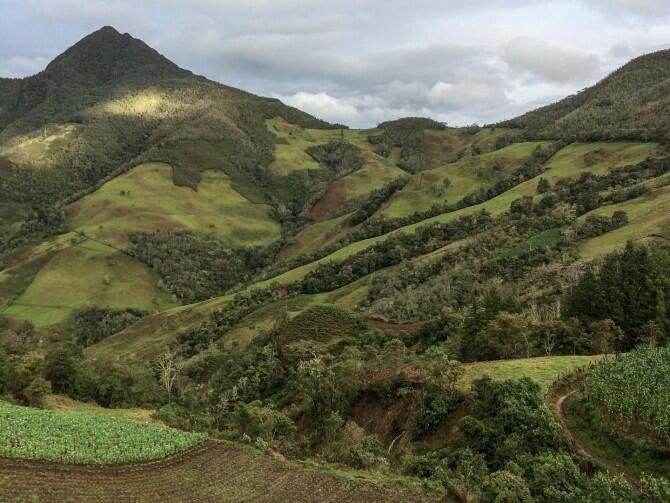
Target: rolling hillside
column 310, row 290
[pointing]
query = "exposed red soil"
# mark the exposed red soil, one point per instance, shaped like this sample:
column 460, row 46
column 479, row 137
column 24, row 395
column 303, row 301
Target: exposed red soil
column 214, row 472
column 330, row 203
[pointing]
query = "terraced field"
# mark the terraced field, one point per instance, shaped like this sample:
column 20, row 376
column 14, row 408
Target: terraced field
column 145, row 199
column 214, row 472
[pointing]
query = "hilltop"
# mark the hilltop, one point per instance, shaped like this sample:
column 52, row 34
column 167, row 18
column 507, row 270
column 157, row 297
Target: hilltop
column 630, row 104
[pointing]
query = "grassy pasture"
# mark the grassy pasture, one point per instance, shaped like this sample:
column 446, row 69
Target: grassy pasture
column 62, row 403
column 143, row 340
column 316, row 236
column 85, row 437
column 145, row 199
column 23, row 264
column 496, row 205
column 87, row 274
column 597, row 157
column 544, row 370
column 442, row 146
column 648, row 216
column 563, row 165
column 465, row 177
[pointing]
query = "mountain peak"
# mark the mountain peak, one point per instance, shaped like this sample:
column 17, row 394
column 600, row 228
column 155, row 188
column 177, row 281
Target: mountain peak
column 107, row 56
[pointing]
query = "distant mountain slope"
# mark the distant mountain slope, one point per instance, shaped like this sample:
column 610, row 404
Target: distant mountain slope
column 121, row 103
column 631, row 103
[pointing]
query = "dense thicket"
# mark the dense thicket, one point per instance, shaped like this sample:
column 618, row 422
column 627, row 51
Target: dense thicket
column 407, row 134
column 631, row 288
column 94, row 324
column 196, row 267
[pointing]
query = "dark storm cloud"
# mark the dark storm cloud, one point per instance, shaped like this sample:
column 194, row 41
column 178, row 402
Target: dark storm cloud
column 362, row 61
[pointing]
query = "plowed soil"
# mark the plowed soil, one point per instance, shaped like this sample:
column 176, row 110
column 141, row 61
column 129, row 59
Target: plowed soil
column 214, row 472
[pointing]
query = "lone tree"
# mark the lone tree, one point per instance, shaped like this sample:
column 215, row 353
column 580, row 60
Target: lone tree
column 168, row 366
column 543, row 186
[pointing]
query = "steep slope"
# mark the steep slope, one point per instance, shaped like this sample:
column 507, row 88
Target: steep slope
column 109, row 103
column 631, row 103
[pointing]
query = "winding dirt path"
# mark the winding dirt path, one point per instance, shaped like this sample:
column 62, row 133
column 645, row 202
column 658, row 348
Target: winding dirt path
column 582, row 446
column 213, row 472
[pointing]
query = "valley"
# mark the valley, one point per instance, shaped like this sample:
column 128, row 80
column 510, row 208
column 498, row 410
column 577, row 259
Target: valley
column 307, row 310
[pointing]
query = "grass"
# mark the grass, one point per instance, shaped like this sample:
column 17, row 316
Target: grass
column 315, row 236
column 597, row 157
column 442, row 146
column 24, row 263
column 648, row 216
column 152, row 334
column 145, row 199
column 544, row 370
column 87, row 274
column 465, row 176
column 62, row 403
column 85, row 437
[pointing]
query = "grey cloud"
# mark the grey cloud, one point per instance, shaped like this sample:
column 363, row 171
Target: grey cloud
column 641, row 8
column 363, row 61
column 552, row 64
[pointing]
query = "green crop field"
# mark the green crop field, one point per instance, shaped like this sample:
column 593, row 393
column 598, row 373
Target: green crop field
column 145, row 199
column 87, row 274
column 544, row 370
column 85, row 437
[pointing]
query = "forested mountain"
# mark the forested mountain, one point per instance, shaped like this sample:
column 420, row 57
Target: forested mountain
column 630, row 104
column 318, row 292
column 109, row 103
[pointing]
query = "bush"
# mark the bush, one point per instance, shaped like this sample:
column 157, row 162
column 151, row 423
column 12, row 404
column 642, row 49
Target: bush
column 37, row 390
column 256, row 420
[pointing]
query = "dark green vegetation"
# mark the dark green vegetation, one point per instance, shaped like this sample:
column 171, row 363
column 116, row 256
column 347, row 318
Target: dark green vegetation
column 629, row 104
column 251, row 272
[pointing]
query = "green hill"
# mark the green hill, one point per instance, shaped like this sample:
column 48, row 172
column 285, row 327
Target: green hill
column 308, row 289
column 630, row 104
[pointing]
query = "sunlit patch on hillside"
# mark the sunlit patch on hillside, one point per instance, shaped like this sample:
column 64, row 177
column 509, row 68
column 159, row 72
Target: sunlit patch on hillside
column 39, row 146
column 146, row 200
column 149, row 103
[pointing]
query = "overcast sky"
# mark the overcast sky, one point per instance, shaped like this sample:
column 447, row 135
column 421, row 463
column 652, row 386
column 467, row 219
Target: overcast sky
column 363, row 61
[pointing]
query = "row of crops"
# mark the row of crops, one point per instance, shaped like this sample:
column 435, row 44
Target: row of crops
column 85, row 437
column 634, row 391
